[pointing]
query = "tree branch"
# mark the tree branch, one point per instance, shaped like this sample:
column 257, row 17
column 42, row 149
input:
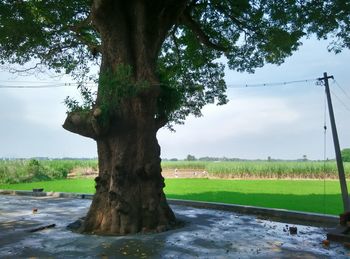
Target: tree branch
column 27, row 71
column 94, row 48
column 177, row 49
column 168, row 15
column 241, row 25
column 161, row 121
column 84, row 123
column 187, row 20
column 77, row 29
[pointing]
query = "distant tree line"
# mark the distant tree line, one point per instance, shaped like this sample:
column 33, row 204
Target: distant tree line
column 345, row 155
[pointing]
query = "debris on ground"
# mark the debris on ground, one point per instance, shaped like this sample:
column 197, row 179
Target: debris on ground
column 42, row 228
column 74, row 226
column 293, row 230
column 38, row 190
column 325, row 242
column 347, row 245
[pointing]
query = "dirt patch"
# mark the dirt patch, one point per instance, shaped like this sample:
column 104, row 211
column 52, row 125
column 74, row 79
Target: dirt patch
column 89, row 172
column 184, row 173
column 82, row 172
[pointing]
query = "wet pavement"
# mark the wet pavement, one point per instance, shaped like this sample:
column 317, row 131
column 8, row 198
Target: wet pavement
column 206, row 234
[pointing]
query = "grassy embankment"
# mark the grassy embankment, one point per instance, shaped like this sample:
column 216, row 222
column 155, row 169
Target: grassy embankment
column 18, row 171
column 301, row 195
column 262, row 169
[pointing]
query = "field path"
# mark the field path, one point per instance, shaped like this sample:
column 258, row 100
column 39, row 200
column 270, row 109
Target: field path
column 88, row 172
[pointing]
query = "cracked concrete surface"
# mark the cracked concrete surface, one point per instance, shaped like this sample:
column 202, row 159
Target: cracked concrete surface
column 206, row 234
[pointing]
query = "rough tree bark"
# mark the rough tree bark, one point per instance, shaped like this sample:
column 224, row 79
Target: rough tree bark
column 129, row 189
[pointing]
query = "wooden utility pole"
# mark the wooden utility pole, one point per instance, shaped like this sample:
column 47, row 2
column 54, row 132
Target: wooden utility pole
column 342, row 179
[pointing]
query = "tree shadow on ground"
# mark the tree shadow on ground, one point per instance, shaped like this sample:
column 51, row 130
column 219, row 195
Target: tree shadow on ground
column 317, row 203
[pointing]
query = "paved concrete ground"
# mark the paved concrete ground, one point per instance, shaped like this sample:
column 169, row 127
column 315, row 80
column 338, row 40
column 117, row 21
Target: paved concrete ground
column 206, row 234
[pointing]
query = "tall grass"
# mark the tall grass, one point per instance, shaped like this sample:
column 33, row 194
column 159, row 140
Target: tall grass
column 18, row 171
column 196, row 165
column 263, row 169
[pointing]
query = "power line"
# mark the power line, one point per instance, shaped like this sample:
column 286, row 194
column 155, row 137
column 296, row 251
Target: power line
column 38, row 86
column 339, row 100
column 271, row 84
column 31, row 86
column 55, row 85
column 34, row 81
column 342, row 89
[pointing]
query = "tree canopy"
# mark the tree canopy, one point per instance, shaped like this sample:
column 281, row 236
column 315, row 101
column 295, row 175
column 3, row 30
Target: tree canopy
column 60, row 35
column 160, row 60
column 345, row 153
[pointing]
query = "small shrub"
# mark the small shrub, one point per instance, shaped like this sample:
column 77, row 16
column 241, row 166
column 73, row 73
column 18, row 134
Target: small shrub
column 36, row 172
column 345, row 153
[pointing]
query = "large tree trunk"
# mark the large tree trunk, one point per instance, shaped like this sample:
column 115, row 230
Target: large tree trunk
column 129, row 189
column 129, row 194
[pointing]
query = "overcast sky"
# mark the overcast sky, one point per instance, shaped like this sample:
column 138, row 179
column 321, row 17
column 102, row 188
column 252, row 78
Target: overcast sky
column 278, row 121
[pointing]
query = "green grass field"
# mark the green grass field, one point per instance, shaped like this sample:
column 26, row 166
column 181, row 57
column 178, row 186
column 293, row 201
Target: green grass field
column 18, row 171
column 301, row 195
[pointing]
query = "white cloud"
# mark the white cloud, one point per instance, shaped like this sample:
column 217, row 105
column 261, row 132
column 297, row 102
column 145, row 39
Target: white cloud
column 249, row 117
column 282, row 122
column 31, row 122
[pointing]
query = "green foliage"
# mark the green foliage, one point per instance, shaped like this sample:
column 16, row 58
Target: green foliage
column 262, row 169
column 191, row 158
column 194, row 74
column 345, row 153
column 330, row 19
column 252, row 33
column 36, row 172
column 42, row 31
column 308, row 196
column 116, row 86
column 245, row 34
column 16, row 171
column 73, row 105
column 169, row 101
column 33, row 170
column 12, row 171
column 88, row 98
column 191, row 165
